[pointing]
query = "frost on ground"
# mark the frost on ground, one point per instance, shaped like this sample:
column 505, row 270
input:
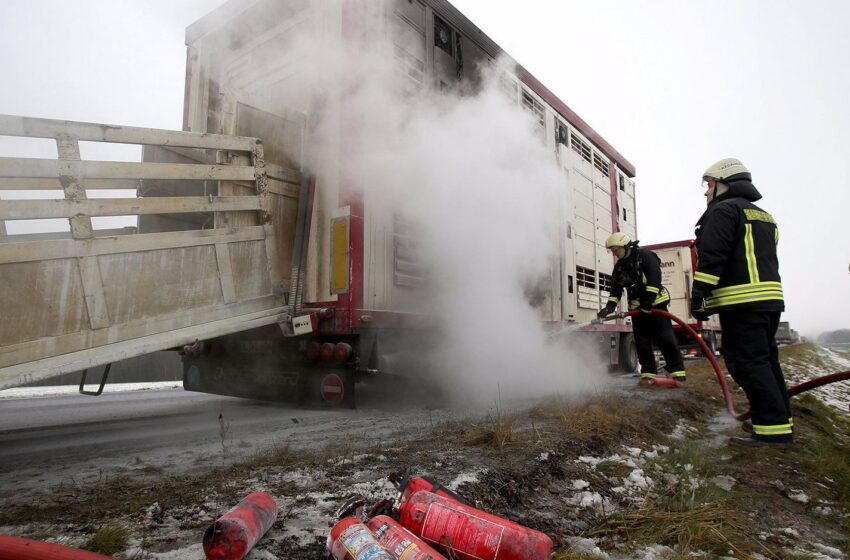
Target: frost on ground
column 800, row 366
column 661, row 458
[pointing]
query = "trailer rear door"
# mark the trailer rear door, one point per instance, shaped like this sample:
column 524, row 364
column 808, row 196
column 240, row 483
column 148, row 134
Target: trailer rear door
column 202, row 261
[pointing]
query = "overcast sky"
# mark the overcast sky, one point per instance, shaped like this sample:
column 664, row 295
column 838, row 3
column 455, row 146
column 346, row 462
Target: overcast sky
column 673, row 85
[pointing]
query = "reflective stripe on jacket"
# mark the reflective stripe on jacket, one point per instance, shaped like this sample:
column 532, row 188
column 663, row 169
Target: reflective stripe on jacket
column 640, row 274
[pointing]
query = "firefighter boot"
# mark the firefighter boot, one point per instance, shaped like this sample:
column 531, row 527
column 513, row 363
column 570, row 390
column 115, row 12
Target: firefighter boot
column 753, row 441
column 679, row 376
column 647, row 378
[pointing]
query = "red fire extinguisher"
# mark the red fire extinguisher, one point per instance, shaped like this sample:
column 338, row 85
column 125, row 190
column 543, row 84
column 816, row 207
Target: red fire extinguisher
column 408, row 485
column 350, row 539
column 466, row 533
column 236, row 532
column 399, row 542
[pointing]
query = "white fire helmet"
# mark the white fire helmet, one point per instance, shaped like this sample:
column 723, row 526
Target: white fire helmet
column 617, row 239
column 725, row 168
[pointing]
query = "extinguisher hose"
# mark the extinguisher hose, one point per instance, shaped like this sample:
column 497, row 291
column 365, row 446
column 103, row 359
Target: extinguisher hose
column 721, row 378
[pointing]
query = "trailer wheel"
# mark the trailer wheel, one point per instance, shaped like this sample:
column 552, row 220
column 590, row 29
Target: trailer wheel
column 628, row 353
column 710, row 339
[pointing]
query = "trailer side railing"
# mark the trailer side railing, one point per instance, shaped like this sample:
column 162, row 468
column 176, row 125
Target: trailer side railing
column 200, row 261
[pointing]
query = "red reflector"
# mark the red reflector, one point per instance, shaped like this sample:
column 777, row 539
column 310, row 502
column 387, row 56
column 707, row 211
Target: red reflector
column 342, row 352
column 313, row 351
column 327, row 351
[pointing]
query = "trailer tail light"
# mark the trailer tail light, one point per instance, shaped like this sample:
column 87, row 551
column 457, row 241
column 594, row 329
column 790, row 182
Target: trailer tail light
column 327, row 351
column 693, row 352
column 343, row 352
column 314, row 351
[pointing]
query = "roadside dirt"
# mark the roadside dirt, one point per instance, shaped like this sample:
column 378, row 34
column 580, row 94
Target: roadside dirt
column 633, row 473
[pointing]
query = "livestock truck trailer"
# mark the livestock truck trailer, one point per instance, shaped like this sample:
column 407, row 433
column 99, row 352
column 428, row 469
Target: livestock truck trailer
column 276, row 273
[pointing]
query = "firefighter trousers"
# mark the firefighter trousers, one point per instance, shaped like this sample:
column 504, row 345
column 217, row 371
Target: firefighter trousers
column 655, row 329
column 752, row 358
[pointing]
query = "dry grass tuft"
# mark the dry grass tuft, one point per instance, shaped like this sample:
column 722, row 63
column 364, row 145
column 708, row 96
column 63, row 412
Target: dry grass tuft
column 608, row 417
column 109, row 539
column 713, row 528
column 498, row 432
column 570, row 555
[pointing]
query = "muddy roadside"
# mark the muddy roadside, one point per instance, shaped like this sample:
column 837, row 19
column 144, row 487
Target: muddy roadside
column 629, row 473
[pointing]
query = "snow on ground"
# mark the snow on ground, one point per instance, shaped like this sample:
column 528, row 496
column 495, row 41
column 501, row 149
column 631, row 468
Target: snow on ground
column 54, row 390
column 801, row 368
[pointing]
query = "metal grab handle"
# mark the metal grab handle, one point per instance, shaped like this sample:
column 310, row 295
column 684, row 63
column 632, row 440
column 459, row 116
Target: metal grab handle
column 102, row 382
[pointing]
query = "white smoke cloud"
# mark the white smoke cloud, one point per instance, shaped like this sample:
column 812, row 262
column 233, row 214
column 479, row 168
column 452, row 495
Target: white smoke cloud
column 471, row 171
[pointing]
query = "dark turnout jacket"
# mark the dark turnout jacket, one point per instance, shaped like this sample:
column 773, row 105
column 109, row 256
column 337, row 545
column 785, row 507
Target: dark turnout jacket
column 640, row 273
column 737, row 266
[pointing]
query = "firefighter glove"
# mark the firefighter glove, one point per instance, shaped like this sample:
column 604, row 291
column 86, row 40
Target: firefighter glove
column 645, row 306
column 605, row 311
column 698, row 305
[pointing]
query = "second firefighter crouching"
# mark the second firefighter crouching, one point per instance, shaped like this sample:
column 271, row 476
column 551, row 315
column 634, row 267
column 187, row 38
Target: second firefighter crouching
column 638, row 271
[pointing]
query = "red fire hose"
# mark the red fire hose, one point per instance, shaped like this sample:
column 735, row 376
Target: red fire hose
column 18, row 548
column 795, row 390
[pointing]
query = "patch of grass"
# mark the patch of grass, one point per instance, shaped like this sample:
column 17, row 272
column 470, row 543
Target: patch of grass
column 497, row 432
column 690, row 515
column 828, row 451
column 570, row 555
column 109, row 539
column 614, row 468
column 702, row 460
column 804, row 355
column 712, row 527
column 607, row 417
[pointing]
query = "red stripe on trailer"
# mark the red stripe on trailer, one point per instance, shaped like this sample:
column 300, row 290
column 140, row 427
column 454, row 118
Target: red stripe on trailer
column 671, row 245
column 615, row 206
column 351, row 193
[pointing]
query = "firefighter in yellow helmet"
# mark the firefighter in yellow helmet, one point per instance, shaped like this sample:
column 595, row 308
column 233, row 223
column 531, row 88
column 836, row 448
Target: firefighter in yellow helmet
column 639, row 272
column 737, row 276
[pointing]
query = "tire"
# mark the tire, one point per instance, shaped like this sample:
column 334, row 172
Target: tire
column 710, row 340
column 628, row 360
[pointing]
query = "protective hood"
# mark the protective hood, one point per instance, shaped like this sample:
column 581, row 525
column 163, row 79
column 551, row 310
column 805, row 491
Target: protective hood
column 740, row 186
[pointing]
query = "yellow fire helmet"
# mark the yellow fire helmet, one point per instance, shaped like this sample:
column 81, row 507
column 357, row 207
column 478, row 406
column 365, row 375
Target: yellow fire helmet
column 617, row 239
column 725, row 168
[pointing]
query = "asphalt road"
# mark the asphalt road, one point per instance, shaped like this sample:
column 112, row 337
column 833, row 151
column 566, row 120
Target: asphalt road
column 76, row 438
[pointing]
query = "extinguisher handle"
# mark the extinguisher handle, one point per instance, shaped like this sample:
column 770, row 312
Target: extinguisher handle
column 349, row 507
column 384, row 506
column 400, row 480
